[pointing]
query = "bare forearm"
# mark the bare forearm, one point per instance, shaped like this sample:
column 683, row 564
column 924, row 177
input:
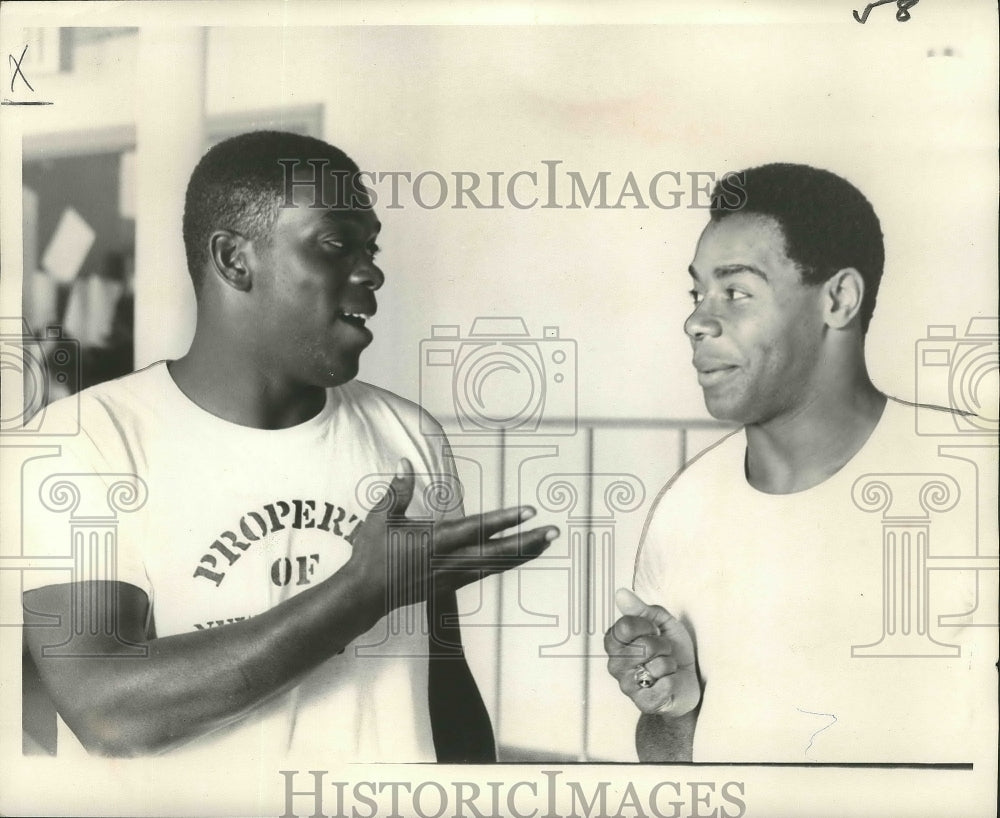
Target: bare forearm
column 191, row 683
column 660, row 738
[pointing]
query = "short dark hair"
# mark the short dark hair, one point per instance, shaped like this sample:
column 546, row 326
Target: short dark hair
column 239, row 185
column 827, row 223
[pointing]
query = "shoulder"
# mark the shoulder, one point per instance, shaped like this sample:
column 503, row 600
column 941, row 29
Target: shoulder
column 370, row 399
column 722, row 460
column 929, row 420
column 114, row 396
column 731, row 446
column 101, row 419
column 719, row 462
column 909, row 434
column 677, row 512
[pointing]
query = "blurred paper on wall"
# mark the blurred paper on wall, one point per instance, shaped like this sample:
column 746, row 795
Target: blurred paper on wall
column 41, row 311
column 91, row 310
column 69, row 246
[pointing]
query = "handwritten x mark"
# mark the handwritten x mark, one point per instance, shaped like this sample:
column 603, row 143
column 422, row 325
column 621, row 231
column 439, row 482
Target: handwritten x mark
column 17, row 70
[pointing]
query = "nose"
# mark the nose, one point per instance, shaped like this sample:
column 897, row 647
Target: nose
column 368, row 274
column 702, row 322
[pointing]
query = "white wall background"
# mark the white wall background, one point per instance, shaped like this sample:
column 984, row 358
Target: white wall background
column 916, row 134
column 907, row 129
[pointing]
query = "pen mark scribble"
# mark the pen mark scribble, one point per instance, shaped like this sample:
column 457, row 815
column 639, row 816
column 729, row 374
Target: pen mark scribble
column 18, row 71
column 902, row 10
column 812, row 738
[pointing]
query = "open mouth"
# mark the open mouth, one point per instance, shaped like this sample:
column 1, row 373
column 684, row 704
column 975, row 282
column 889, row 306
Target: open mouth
column 355, row 319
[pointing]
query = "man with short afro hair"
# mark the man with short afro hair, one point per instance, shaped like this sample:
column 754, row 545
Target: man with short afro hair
column 261, row 601
column 752, row 634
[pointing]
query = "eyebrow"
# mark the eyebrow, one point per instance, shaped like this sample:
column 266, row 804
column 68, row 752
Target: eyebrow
column 334, row 216
column 729, row 270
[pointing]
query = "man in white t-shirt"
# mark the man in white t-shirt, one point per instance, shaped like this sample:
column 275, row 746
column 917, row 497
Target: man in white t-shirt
column 764, row 548
column 280, row 572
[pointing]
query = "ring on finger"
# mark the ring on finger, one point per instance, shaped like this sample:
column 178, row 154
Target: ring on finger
column 643, row 677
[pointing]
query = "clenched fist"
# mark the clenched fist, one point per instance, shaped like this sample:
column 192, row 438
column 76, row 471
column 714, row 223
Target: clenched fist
column 651, row 654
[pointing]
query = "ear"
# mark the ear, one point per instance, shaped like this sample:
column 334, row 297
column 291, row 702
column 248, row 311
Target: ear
column 842, row 295
column 228, row 252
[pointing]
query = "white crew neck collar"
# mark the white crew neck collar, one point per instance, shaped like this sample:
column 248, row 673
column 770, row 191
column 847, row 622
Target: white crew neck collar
column 892, row 405
column 181, row 406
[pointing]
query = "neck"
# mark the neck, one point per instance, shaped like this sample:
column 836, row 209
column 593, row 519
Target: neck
column 226, row 379
column 802, row 448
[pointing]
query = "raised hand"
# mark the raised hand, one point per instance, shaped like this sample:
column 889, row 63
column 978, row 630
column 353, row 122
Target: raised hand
column 464, row 550
column 652, row 656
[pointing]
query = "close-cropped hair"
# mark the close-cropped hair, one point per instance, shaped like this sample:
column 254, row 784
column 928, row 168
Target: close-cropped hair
column 827, row 223
column 241, row 182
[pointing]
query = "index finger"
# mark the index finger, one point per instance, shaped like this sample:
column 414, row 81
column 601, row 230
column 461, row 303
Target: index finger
column 629, row 628
column 478, row 528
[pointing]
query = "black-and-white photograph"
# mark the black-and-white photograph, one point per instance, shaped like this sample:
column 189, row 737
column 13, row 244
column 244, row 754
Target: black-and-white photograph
column 432, row 409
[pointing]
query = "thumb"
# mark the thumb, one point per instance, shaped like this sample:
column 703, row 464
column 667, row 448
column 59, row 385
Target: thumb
column 630, row 604
column 401, row 489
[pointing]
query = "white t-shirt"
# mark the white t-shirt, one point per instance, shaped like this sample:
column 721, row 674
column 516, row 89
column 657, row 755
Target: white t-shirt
column 783, row 592
column 238, row 519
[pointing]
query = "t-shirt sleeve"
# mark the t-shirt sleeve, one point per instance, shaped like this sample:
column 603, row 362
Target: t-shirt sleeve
column 446, row 494
column 651, row 579
column 81, row 516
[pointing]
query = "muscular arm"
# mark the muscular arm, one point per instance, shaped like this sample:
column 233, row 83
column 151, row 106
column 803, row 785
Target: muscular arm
column 463, row 733
column 660, row 738
column 188, row 684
